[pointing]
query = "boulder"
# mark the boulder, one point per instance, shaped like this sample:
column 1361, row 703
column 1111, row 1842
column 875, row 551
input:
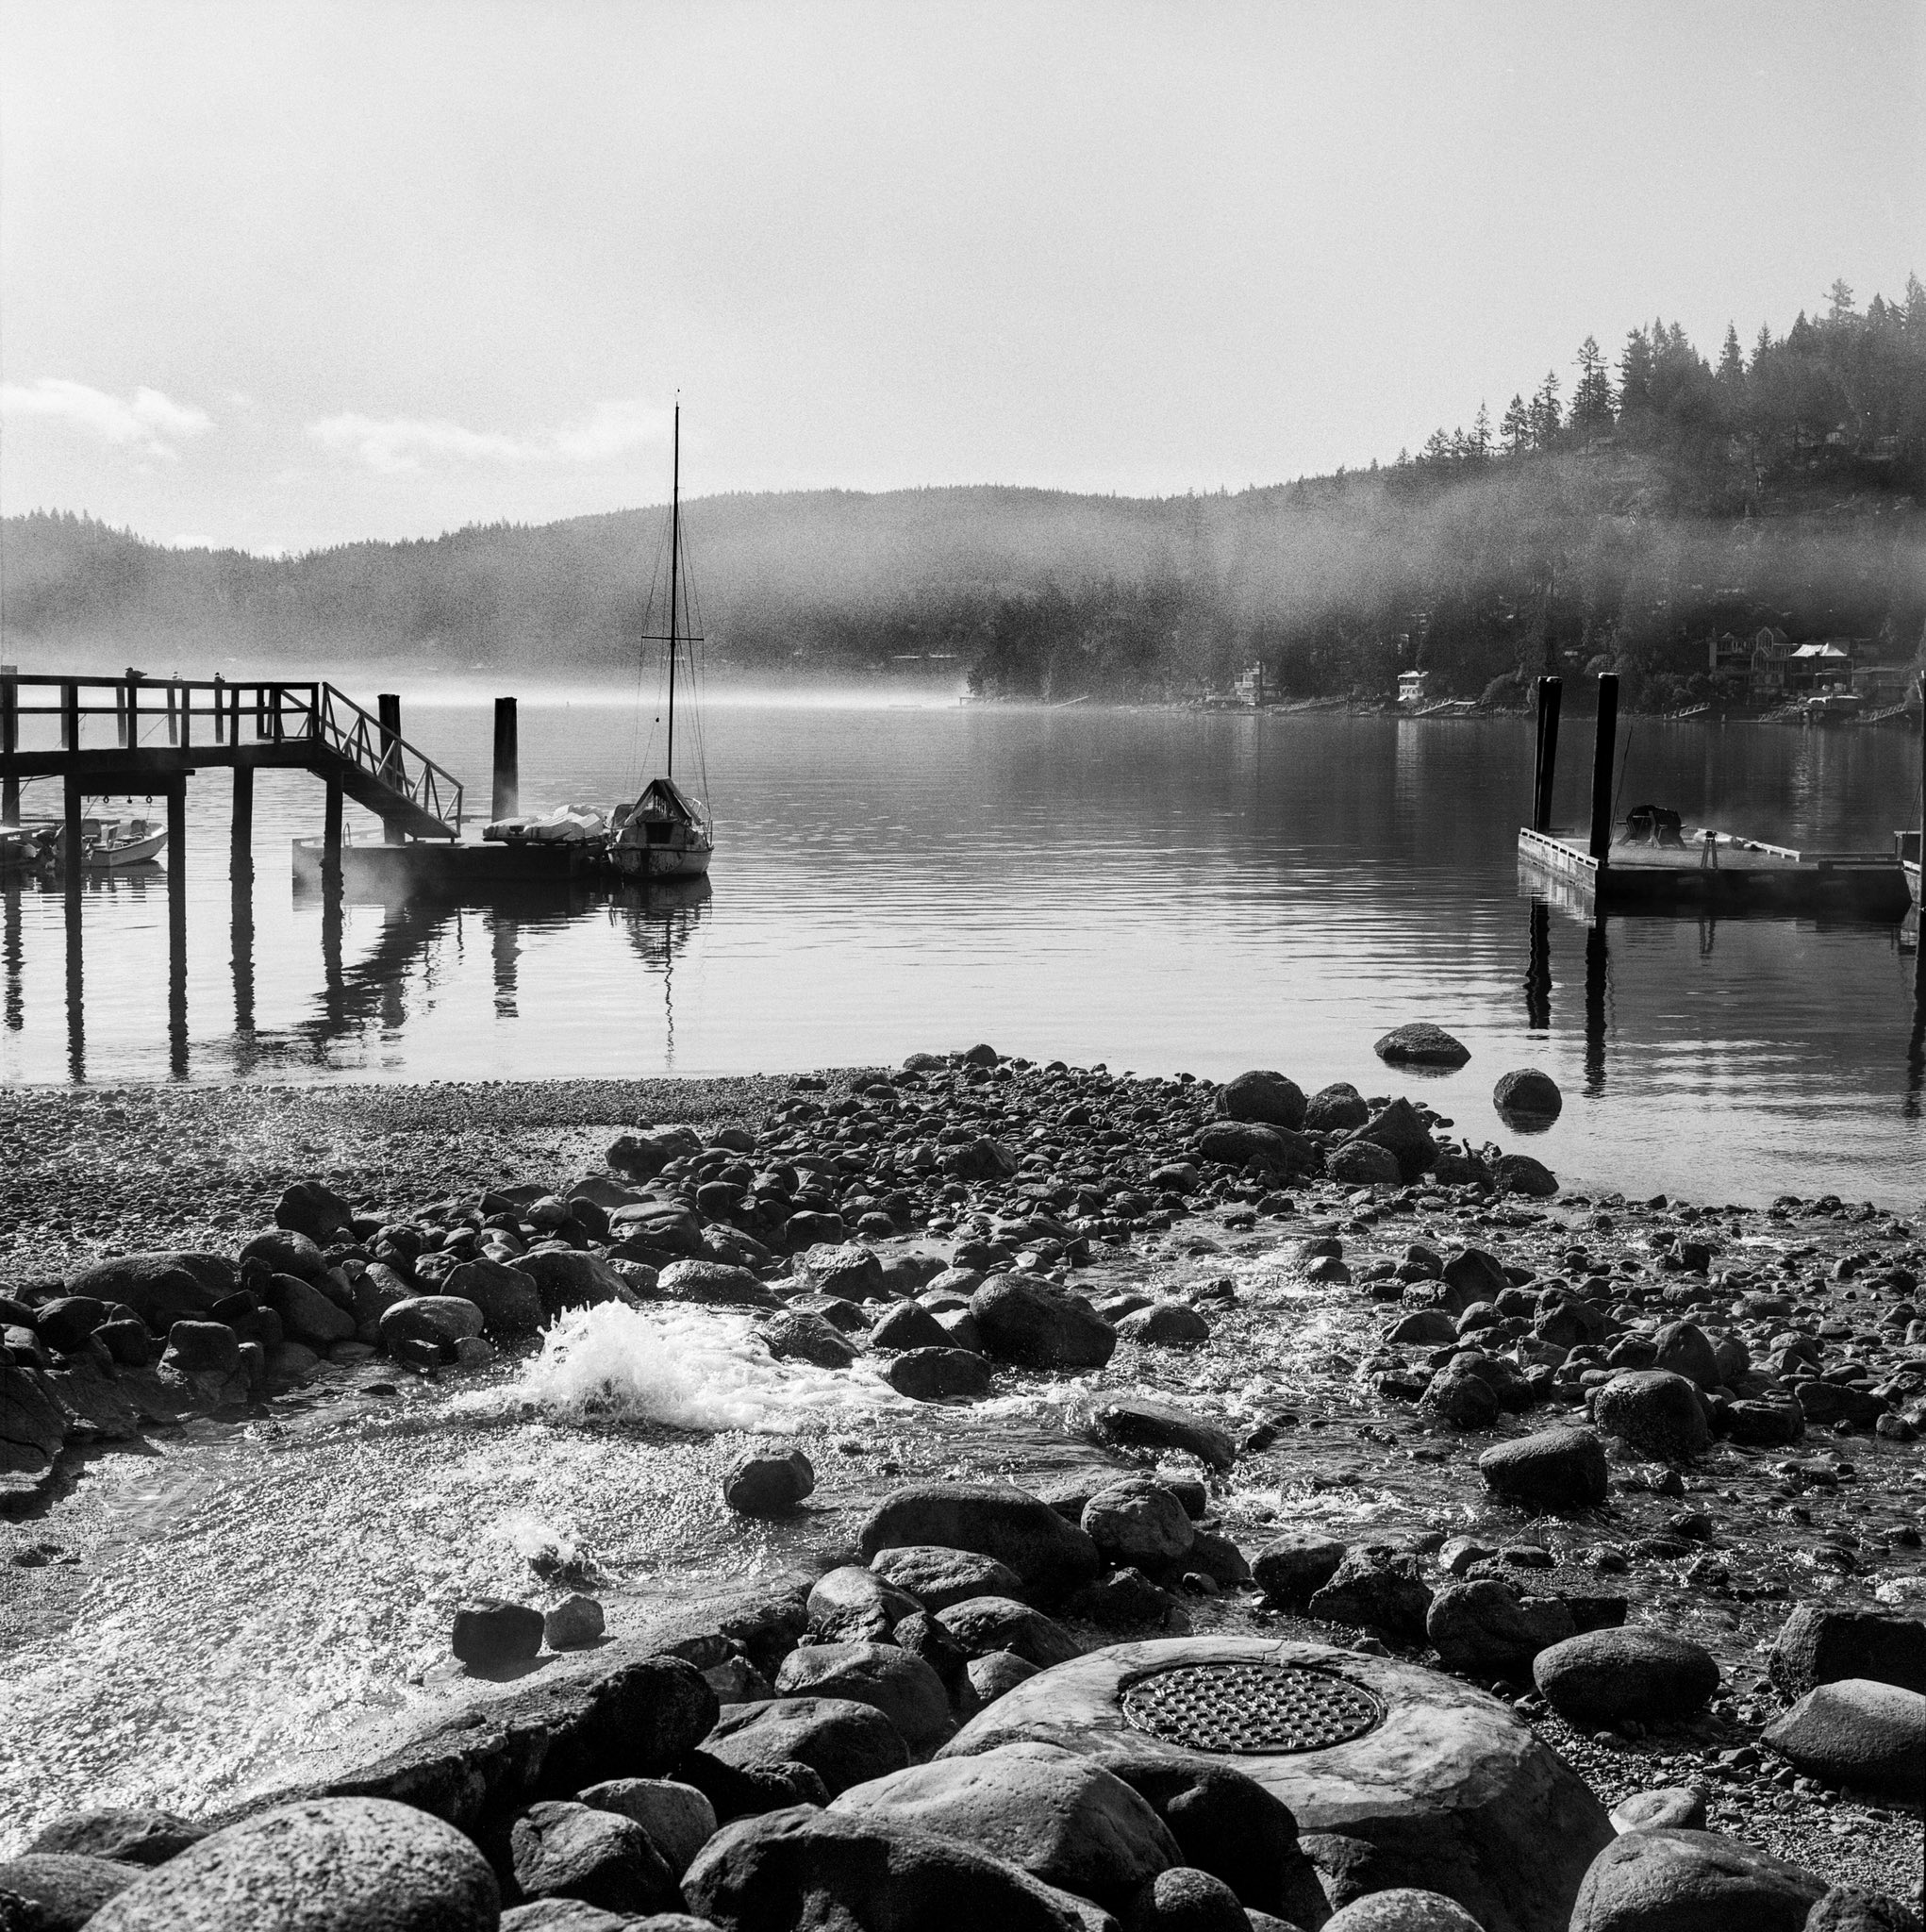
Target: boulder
column 1818, row 1645
column 995, row 1519
column 678, row 1819
column 1262, row 1096
column 1555, row 1469
column 905, row 1688
column 1335, row 1107
column 852, row 1603
column 1673, row 1808
column 936, row 1578
column 1605, row 1676
column 313, row 1208
column 1275, row 1152
column 1682, row 1348
column 572, row 1915
column 710, row 1284
column 1519, row 1173
column 124, row 1834
column 994, row 1676
column 307, row 1315
column 1653, row 1413
column 1470, row 1276
column 66, row 1322
column 573, row 1623
column 909, row 1325
column 1056, row 1815
column 63, row 1891
column 1449, row 1791
column 1037, row 1325
column 1365, row 1164
column 1679, row 1881
column 1138, row 1521
column 569, row 1278
column 1847, row 1909
column 162, row 1289
column 1857, row 1732
column 765, row 1483
column 1164, row 1325
column 846, row 1269
column 1398, row 1129
column 798, row 1335
column 602, row 1858
column 1292, row 1569
column 864, row 1873
column 428, row 1330
column 1125, row 1600
column 283, row 1252
column 1526, row 1098
column 1144, row 1422
column 1402, row 1909
column 1482, row 1628
column 1183, row 1899
column 510, row 1301
column 1420, row 1045
column 842, row 1742
column 983, row 1625
column 939, row 1374
column 1458, row 1395
column 347, row 1864
column 492, row 1634
column 1376, row 1588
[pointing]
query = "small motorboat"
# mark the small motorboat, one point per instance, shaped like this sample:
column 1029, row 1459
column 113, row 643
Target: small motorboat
column 110, row 845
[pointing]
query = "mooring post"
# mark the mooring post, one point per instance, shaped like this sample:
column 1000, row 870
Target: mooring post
column 331, row 838
column 1603, row 754
column 507, row 800
column 241, row 838
column 177, row 927
column 176, row 842
column 72, row 802
column 9, row 745
column 1545, row 766
column 387, row 705
column 70, row 715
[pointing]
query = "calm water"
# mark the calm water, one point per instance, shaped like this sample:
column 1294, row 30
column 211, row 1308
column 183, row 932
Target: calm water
column 1154, row 890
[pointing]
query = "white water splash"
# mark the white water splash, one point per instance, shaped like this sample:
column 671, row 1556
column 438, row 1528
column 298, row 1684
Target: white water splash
column 689, row 1368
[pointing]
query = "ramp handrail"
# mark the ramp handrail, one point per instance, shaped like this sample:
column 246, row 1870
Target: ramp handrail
column 362, row 738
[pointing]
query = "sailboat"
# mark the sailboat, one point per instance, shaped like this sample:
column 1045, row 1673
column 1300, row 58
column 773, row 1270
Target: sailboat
column 666, row 834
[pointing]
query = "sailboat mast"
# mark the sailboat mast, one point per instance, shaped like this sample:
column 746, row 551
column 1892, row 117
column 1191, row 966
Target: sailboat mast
column 674, row 558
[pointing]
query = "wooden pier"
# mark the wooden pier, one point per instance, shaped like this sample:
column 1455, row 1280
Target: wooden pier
column 1706, row 870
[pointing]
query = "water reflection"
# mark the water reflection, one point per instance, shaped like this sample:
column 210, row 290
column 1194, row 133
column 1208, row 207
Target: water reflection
column 661, row 920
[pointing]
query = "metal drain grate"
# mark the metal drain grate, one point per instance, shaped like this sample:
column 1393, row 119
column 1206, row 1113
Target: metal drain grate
column 1249, row 1708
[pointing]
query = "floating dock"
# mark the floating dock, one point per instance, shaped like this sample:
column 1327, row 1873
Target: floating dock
column 1697, row 868
column 443, row 868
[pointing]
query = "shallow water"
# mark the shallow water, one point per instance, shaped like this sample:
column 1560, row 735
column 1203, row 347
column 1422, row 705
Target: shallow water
column 1158, row 890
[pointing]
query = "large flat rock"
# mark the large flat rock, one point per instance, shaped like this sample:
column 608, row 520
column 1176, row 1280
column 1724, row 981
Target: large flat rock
column 1456, row 1794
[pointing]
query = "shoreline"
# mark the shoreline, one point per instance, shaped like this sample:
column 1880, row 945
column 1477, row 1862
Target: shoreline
column 1819, row 1516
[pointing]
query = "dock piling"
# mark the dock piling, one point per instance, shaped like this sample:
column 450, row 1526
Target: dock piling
column 241, row 838
column 388, row 708
column 1545, row 765
column 72, row 804
column 1602, row 757
column 9, row 743
column 508, row 799
column 331, row 838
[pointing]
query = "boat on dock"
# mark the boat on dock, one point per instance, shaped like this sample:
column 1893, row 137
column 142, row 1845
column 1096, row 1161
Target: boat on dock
column 1652, row 861
column 665, row 832
column 110, row 844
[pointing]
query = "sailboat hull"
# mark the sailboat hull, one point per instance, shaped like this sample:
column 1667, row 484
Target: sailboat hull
column 660, row 862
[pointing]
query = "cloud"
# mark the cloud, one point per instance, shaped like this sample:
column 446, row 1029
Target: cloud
column 392, row 444
column 148, row 421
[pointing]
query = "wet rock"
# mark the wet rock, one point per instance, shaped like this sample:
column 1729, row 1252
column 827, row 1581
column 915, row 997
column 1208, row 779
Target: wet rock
column 574, row 1624
column 508, row 1299
column 1262, row 1096
column 127, row 1341
column 1420, row 1045
column 998, row 1673
column 678, row 1819
column 938, row 1374
column 1526, row 1097
column 853, row 1604
column 1425, row 1328
column 1335, row 1108
column 1857, row 1732
column 1040, row 1327
column 1125, row 1600
column 1519, row 1173
column 572, row 1915
column 197, row 1348
column 981, row 1625
column 643, row 1155
column 1376, row 1588
column 1674, row 1881
column 1470, row 1276
column 909, row 1325
column 1144, row 1422
column 1184, row 1899
column 1605, row 1676
column 796, row 1336
column 126, row 1835
column 1555, row 1469
column 491, row 1633
column 842, row 1741
column 936, row 1578
column 1402, row 1909
column 568, row 1278
column 313, row 1208
column 1365, row 1164
column 63, row 1889
column 850, row 1272
column 1398, row 1129
column 1275, row 1152
column 1654, row 1413
column 428, row 1330
column 995, row 1519
column 1682, row 1348
column 66, row 1321
column 1138, row 1521
column 1461, row 1397
column 1847, row 1909
column 160, row 1289
column 307, row 1315
column 1820, row 1645
column 348, row 1864
column 1215, row 1556
column 1678, row 1807
column 1061, row 1818
column 1483, row 1630
column 565, row 1850
column 282, row 1252
column 831, row 1868
column 1295, row 1566
column 902, row 1687
column 768, row 1483
column 1165, row 1325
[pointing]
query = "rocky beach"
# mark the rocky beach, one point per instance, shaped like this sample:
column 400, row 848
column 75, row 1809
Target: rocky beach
column 919, row 1495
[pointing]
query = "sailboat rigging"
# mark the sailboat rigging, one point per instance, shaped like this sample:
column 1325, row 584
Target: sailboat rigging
column 666, row 834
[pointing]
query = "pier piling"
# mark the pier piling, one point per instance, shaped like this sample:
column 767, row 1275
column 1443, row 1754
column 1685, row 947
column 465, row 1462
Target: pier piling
column 508, row 799
column 72, row 805
column 1603, row 758
column 241, row 838
column 388, row 708
column 1545, row 765
column 331, row 838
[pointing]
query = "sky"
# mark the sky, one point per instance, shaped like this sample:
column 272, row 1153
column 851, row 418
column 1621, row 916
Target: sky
column 284, row 275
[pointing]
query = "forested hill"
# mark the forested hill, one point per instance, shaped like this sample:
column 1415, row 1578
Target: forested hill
column 1670, row 497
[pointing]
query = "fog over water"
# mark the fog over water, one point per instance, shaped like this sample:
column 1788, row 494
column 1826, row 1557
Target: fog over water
column 1158, row 890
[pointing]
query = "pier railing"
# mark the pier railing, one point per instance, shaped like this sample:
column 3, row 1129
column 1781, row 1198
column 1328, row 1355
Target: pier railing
column 41, row 713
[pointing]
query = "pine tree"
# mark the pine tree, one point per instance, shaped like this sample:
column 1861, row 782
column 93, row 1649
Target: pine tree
column 1591, row 401
column 1763, row 347
column 1916, row 308
column 1481, row 434
column 1546, row 419
column 1517, row 427
column 1840, row 301
column 1731, row 361
column 1635, row 374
